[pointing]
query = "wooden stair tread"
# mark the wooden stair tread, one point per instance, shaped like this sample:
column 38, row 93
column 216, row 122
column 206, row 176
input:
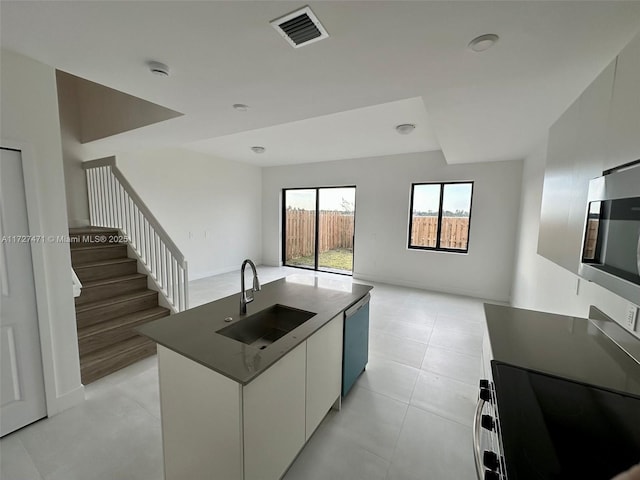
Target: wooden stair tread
column 114, row 350
column 107, row 360
column 114, row 300
column 99, row 245
column 111, row 280
column 90, row 230
column 102, row 263
column 122, row 322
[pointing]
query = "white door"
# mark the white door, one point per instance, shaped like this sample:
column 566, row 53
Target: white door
column 22, row 398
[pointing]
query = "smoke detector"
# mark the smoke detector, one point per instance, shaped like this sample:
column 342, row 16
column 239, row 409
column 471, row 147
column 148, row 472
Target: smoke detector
column 483, row 42
column 258, row 149
column 158, row 68
column 405, row 128
column 300, row 28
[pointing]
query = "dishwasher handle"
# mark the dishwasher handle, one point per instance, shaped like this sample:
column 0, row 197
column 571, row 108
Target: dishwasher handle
column 351, row 311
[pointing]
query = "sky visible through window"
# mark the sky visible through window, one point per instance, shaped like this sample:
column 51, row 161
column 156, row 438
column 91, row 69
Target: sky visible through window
column 330, row 198
column 457, row 197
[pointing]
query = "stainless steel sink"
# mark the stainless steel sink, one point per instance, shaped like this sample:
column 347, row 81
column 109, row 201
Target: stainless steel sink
column 265, row 327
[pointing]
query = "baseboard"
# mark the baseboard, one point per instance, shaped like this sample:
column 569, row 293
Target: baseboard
column 65, row 401
column 432, row 288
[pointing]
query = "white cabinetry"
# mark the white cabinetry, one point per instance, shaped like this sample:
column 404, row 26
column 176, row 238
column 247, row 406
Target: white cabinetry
column 214, row 428
column 576, row 153
column 274, row 417
column 623, row 142
column 599, row 131
column 201, row 438
column 324, row 372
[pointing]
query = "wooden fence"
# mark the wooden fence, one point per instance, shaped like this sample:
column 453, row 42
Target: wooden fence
column 591, row 238
column 455, row 232
column 336, row 231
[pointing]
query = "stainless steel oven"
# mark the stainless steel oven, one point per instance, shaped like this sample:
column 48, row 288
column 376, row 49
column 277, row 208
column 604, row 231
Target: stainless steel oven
column 611, row 241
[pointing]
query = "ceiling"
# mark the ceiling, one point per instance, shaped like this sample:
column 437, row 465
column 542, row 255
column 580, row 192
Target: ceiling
column 385, row 62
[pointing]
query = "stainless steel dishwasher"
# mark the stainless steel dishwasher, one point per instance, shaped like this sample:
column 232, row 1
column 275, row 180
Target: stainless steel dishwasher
column 355, row 351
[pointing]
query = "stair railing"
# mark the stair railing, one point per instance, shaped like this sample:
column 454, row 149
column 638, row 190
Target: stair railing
column 114, row 203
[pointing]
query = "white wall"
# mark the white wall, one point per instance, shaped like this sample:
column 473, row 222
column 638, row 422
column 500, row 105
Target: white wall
column 382, row 212
column 540, row 284
column 210, row 207
column 29, row 118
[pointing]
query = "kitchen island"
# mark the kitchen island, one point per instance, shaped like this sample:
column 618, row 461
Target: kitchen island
column 235, row 410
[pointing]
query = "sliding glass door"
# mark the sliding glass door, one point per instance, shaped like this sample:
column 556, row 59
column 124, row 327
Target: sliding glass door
column 318, row 228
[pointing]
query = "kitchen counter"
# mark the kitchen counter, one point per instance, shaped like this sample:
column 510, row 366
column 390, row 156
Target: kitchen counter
column 193, row 333
column 560, row 399
column 569, row 347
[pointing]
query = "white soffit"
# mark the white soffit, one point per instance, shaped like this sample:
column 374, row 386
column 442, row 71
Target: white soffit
column 362, row 132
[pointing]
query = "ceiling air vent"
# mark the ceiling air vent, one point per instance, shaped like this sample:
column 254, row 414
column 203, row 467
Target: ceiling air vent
column 300, row 28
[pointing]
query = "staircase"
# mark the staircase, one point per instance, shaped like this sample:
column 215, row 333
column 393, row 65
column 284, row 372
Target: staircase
column 114, row 300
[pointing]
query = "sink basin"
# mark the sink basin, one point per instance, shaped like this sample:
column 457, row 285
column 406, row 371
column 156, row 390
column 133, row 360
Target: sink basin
column 265, row 327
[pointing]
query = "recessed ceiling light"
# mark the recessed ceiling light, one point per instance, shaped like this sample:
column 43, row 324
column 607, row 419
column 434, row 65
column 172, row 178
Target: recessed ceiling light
column 158, row 68
column 258, row 149
column 405, row 128
column 241, row 107
column 483, row 42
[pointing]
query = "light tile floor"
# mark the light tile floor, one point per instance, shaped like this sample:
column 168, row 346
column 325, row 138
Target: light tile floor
column 408, row 417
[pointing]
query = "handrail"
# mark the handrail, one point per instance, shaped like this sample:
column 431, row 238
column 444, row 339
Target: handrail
column 99, row 162
column 114, row 203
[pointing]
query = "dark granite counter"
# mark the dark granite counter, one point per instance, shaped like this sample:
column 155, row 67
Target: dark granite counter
column 569, row 347
column 192, row 333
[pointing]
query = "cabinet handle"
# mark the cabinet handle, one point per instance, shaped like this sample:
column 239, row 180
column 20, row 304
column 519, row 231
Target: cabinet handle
column 351, row 311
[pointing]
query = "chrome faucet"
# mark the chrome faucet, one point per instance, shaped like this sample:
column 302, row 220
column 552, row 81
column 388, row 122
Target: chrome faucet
column 244, row 298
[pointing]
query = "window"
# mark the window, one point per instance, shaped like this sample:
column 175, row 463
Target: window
column 440, row 215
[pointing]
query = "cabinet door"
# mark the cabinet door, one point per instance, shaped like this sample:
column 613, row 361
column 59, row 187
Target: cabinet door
column 274, row 417
column 324, row 372
column 623, row 140
column 201, row 420
column 576, row 152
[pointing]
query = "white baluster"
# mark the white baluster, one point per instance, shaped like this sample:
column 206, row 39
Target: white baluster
column 175, row 283
column 186, row 284
column 91, row 191
column 105, row 202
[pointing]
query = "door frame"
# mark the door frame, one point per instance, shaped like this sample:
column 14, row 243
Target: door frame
column 38, row 259
column 283, row 228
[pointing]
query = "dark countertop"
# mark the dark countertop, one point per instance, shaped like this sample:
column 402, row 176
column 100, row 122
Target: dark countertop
column 568, row 347
column 192, row 333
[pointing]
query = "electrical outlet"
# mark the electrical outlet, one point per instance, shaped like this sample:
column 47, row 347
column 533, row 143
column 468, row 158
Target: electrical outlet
column 632, row 316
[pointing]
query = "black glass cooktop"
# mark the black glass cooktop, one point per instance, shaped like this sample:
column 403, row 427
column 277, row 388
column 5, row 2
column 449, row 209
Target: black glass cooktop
column 553, row 428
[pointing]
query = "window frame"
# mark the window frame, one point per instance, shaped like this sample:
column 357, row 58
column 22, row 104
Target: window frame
column 438, row 248
column 283, row 230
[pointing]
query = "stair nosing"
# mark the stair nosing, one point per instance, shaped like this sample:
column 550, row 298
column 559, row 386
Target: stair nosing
column 107, row 261
column 99, row 245
column 137, row 341
column 148, row 313
column 114, row 300
column 110, row 280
